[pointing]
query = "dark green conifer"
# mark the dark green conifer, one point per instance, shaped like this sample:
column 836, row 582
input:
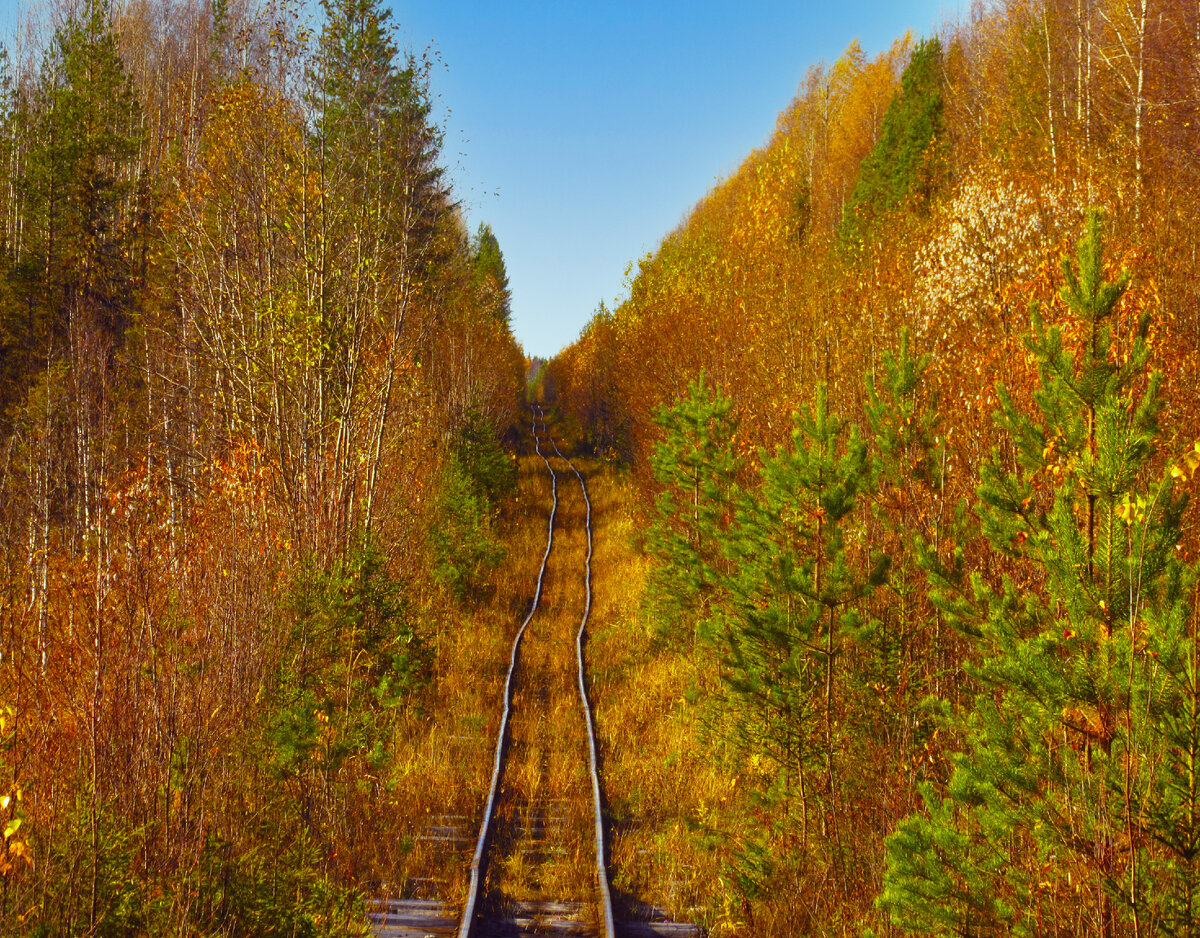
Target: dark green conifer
column 903, row 166
column 377, row 144
column 80, row 180
column 75, row 275
column 490, row 273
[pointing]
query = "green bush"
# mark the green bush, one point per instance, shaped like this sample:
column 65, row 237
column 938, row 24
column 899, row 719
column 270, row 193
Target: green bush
column 354, row 652
column 491, row 470
column 275, row 888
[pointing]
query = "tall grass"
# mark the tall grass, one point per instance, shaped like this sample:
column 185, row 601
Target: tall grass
column 674, row 803
column 544, row 847
column 443, row 754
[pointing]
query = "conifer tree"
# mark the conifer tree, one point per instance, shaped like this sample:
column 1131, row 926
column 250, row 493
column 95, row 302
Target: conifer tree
column 357, row 83
column 906, row 439
column 902, row 167
column 796, row 585
column 1074, row 798
column 489, row 272
column 81, row 176
column 79, row 179
column 78, row 185
column 382, row 218
column 696, row 466
column 14, row 345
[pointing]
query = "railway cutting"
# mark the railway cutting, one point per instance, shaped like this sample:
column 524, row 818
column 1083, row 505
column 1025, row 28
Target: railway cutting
column 538, row 866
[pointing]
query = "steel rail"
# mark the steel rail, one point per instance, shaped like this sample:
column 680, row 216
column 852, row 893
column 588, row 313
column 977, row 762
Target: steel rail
column 467, row 924
column 610, row 930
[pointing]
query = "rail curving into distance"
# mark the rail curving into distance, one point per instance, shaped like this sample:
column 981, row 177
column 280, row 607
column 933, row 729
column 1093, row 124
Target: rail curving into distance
column 477, row 862
column 467, row 925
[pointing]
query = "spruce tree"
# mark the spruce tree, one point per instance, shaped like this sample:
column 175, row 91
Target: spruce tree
column 382, row 234
column 1074, row 797
column 902, row 167
column 489, row 272
column 75, row 275
column 80, row 178
column 14, row 340
column 376, row 145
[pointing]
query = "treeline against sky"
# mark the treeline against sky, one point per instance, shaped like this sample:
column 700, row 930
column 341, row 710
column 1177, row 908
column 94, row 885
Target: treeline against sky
column 918, row 490
column 251, row 361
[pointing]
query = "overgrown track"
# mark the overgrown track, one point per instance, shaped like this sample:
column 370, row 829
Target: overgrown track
column 540, row 821
column 593, row 755
column 539, row 862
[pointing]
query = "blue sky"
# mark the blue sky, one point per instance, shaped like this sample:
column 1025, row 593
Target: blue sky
column 584, row 132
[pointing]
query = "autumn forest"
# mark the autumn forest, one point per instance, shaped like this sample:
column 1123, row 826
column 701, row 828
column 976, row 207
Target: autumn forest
column 891, row 447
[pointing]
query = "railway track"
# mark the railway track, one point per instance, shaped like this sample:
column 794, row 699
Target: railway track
column 539, row 865
column 531, row 847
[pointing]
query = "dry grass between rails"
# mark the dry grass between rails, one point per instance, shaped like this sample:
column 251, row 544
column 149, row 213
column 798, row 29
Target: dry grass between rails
column 544, row 847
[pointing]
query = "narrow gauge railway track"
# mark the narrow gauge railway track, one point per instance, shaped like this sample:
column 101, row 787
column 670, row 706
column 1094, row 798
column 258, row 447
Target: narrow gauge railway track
column 527, row 821
column 539, row 861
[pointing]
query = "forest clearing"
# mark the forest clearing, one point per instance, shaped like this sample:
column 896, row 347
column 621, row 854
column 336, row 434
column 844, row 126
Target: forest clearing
column 862, row 528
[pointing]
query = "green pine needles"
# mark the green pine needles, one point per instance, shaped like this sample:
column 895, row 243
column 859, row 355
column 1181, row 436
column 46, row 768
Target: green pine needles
column 1076, row 793
column 696, row 466
column 1074, row 797
column 797, row 592
column 776, row 590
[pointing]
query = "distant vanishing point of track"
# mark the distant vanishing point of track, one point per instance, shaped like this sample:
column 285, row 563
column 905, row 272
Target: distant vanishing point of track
column 539, row 861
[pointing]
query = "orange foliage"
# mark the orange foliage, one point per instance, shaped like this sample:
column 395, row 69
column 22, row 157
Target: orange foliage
column 1044, row 118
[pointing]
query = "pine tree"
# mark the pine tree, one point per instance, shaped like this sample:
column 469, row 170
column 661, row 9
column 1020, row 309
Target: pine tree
column 1074, row 798
column 696, row 466
column 906, row 439
column 797, row 584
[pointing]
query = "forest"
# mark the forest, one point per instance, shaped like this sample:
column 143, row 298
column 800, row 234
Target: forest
column 892, row 447
column 911, row 473
column 255, row 375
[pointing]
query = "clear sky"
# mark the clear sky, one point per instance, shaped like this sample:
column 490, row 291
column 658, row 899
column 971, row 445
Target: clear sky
column 583, row 132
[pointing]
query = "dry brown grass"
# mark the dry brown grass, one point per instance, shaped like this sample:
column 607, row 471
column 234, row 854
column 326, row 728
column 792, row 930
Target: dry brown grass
column 673, row 810
column 443, row 755
column 544, row 847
